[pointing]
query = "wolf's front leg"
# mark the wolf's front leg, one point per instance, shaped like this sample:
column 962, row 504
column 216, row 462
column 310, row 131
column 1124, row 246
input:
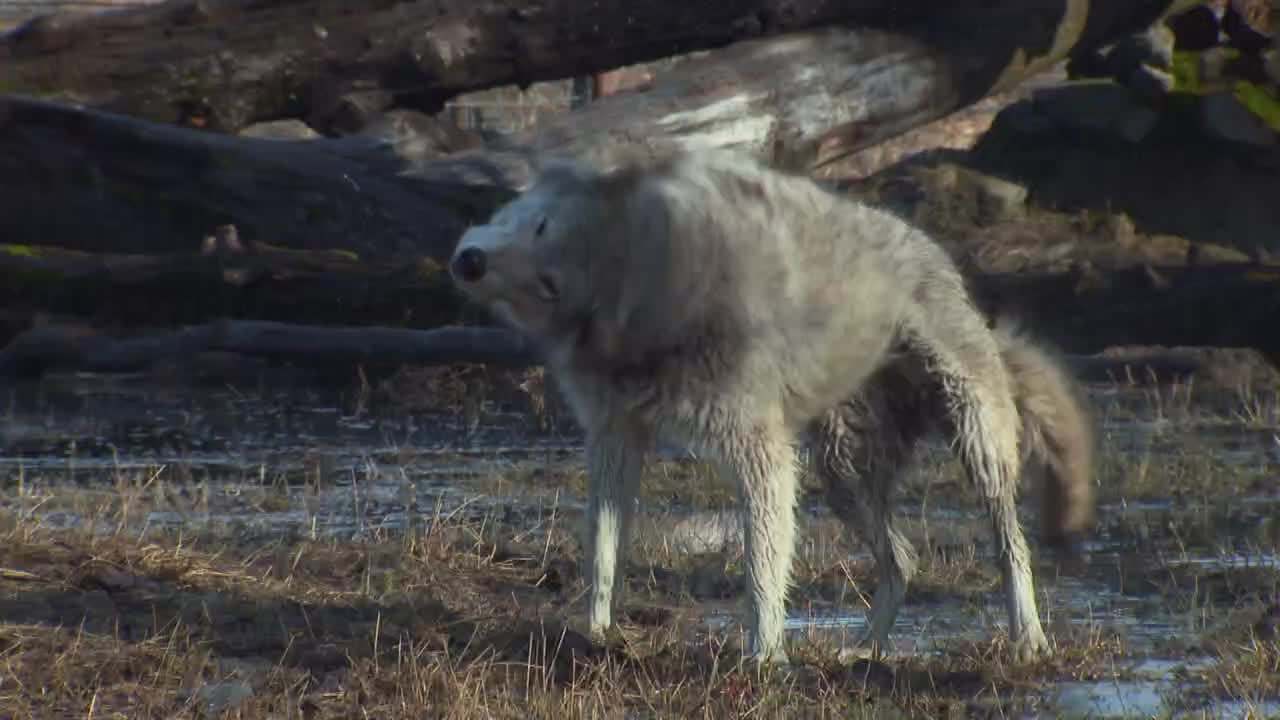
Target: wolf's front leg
column 615, row 459
column 767, row 473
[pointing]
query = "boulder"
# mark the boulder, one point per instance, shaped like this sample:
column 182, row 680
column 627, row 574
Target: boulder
column 439, row 135
column 1149, row 83
column 280, row 130
column 1224, row 118
column 996, row 199
column 1102, row 107
column 1153, row 47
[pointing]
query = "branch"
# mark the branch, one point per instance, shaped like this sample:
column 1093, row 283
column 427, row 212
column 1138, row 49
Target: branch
column 47, row 348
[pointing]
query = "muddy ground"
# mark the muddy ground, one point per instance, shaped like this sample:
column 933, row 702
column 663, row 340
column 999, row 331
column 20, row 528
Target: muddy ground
column 403, row 550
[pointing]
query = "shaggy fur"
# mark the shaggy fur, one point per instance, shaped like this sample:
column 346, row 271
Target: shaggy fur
column 867, row 442
column 708, row 301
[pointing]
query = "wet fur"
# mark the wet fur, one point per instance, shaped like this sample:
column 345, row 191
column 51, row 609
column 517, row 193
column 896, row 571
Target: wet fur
column 734, row 310
column 863, row 446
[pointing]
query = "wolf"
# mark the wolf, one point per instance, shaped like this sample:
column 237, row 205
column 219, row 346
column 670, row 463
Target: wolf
column 703, row 299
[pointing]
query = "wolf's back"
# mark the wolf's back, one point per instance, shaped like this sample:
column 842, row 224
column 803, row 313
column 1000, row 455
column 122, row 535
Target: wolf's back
column 1058, row 438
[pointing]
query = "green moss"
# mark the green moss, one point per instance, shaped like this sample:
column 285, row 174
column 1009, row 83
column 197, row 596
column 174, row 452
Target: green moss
column 26, row 251
column 1188, row 83
column 1186, row 71
column 1262, row 102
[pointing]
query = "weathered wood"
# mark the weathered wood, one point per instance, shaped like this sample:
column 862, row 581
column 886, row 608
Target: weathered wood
column 86, row 179
column 1081, row 313
column 225, row 64
column 123, row 290
column 51, row 347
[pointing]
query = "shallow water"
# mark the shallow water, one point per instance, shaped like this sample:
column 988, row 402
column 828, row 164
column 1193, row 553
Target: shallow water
column 342, row 471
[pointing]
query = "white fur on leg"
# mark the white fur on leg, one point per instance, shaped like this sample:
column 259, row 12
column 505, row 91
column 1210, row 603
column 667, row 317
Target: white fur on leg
column 614, row 464
column 989, row 436
column 1025, row 632
column 768, row 478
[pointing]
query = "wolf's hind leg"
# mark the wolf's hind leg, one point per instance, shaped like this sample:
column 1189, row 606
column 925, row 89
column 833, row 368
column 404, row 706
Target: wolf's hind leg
column 859, row 458
column 615, row 461
column 977, row 395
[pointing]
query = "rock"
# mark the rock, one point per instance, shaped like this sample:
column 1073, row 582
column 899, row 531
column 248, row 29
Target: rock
column 1271, row 64
column 214, row 698
column 1153, row 47
column 1091, row 63
column 997, row 200
column 1245, row 24
column 253, row 672
column 1225, row 118
column 1024, row 117
column 438, row 135
column 1197, row 29
column 965, row 194
column 1149, row 83
column 1202, row 254
column 1119, row 229
column 1102, row 107
column 353, row 112
column 280, row 130
column 1212, row 65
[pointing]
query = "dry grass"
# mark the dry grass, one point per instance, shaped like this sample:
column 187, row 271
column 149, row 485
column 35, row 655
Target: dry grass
column 477, row 619
column 457, row 622
column 479, row 615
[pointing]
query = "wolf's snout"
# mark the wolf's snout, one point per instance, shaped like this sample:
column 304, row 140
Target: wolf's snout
column 469, row 265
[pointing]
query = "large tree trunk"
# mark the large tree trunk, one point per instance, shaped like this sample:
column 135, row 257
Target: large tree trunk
column 1220, row 306
column 105, row 182
column 235, row 61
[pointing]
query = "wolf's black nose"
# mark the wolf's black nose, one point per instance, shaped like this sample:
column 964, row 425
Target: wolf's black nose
column 469, row 264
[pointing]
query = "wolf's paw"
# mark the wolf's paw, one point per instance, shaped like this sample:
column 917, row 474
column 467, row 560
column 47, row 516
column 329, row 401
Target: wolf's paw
column 1031, row 647
column 773, row 660
column 606, row 637
column 869, row 646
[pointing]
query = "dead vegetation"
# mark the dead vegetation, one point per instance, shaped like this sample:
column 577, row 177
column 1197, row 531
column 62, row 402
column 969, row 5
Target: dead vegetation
column 475, row 616
column 472, row 606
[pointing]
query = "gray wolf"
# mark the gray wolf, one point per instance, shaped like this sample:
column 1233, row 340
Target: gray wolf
column 705, row 300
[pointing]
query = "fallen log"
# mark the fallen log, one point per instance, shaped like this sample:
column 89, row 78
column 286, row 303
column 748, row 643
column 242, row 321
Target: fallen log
column 51, row 347
column 253, row 280
column 225, row 64
column 1081, row 313
column 85, row 179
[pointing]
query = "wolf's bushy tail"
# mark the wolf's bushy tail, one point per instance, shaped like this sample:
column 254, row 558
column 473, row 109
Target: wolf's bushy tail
column 1058, row 441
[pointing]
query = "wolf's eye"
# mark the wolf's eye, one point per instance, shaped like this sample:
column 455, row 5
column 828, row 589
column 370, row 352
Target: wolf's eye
column 542, row 225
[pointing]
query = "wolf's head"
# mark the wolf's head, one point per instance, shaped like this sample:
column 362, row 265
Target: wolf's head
column 578, row 257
